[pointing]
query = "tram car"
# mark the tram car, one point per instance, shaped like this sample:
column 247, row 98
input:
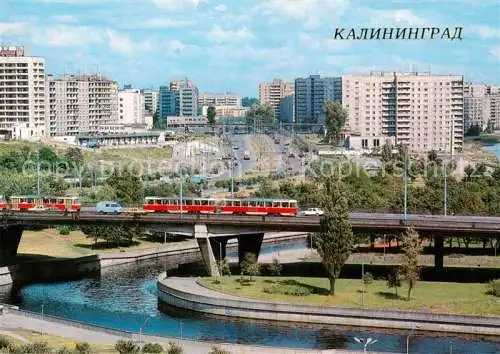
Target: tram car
column 33, row 203
column 249, row 206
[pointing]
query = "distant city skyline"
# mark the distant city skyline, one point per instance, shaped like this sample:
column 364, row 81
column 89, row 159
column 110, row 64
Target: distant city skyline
column 232, row 46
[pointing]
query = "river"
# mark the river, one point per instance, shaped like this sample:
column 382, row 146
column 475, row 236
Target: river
column 493, row 148
column 124, row 297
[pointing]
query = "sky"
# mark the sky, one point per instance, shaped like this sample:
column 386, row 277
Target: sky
column 232, row 45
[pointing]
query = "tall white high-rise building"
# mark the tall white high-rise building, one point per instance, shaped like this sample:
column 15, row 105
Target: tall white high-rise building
column 22, row 94
column 480, row 103
column 130, row 107
column 80, row 104
column 150, row 101
column 422, row 111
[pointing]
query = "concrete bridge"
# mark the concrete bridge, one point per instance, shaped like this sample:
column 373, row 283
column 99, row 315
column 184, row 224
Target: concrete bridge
column 213, row 231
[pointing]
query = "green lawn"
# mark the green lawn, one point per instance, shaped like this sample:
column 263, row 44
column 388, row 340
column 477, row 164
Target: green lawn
column 50, row 243
column 427, row 296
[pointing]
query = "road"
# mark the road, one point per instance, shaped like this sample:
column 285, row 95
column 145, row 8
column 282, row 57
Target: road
column 361, row 222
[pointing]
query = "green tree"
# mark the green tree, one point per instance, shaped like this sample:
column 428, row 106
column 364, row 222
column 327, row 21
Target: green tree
column 335, row 240
column 249, row 101
column 127, row 184
column 335, row 117
column 275, row 267
column 250, row 266
column 260, row 113
column 386, row 152
column 412, row 248
column 224, row 267
column 394, row 279
column 211, row 115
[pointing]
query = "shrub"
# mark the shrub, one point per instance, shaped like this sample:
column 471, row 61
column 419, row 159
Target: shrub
column 275, row 267
column 82, row 348
column 218, row 350
column 126, row 347
column 65, row 350
column 494, row 287
column 34, row 348
column 394, row 279
column 224, row 267
column 249, row 266
column 367, row 278
column 152, row 348
column 4, row 342
column 174, row 348
column 65, row 229
column 292, row 290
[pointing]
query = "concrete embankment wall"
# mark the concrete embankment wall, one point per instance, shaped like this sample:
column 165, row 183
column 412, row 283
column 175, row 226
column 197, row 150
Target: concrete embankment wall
column 76, row 268
column 326, row 315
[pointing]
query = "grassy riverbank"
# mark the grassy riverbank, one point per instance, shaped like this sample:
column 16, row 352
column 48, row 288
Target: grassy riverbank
column 22, row 336
column 471, row 299
column 50, row 243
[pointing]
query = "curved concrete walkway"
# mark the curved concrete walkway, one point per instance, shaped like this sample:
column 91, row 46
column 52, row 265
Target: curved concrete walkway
column 13, row 320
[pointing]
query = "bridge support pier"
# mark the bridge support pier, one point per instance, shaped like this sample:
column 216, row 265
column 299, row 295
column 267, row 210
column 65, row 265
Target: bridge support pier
column 249, row 244
column 439, row 252
column 10, row 237
column 202, row 237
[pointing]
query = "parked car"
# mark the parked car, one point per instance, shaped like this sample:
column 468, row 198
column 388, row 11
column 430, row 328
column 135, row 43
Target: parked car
column 313, row 212
column 109, row 207
column 38, row 208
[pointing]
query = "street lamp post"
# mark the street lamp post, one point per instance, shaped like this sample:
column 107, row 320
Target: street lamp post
column 143, row 327
column 365, row 342
column 38, row 170
column 445, row 190
column 406, row 189
column 408, row 340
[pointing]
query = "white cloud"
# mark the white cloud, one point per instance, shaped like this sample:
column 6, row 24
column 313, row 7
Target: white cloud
column 495, row 51
column 221, row 8
column 485, row 32
column 165, row 23
column 123, row 44
column 311, row 12
column 177, row 48
column 399, row 16
column 66, row 36
column 176, row 5
column 218, row 35
column 321, row 44
column 65, row 18
column 15, row 28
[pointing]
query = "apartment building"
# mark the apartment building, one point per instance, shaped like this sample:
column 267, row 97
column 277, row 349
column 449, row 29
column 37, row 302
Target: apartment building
column 79, row 104
column 480, row 102
column 422, row 111
column 227, row 99
column 180, row 98
column 311, row 94
column 273, row 92
column 23, row 106
column 150, row 101
column 287, row 109
column 226, row 111
column 131, row 107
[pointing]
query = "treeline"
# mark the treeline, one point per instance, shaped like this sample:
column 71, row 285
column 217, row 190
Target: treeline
column 478, row 193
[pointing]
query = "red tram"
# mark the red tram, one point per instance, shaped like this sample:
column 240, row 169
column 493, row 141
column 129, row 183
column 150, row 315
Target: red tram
column 250, row 206
column 29, row 203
